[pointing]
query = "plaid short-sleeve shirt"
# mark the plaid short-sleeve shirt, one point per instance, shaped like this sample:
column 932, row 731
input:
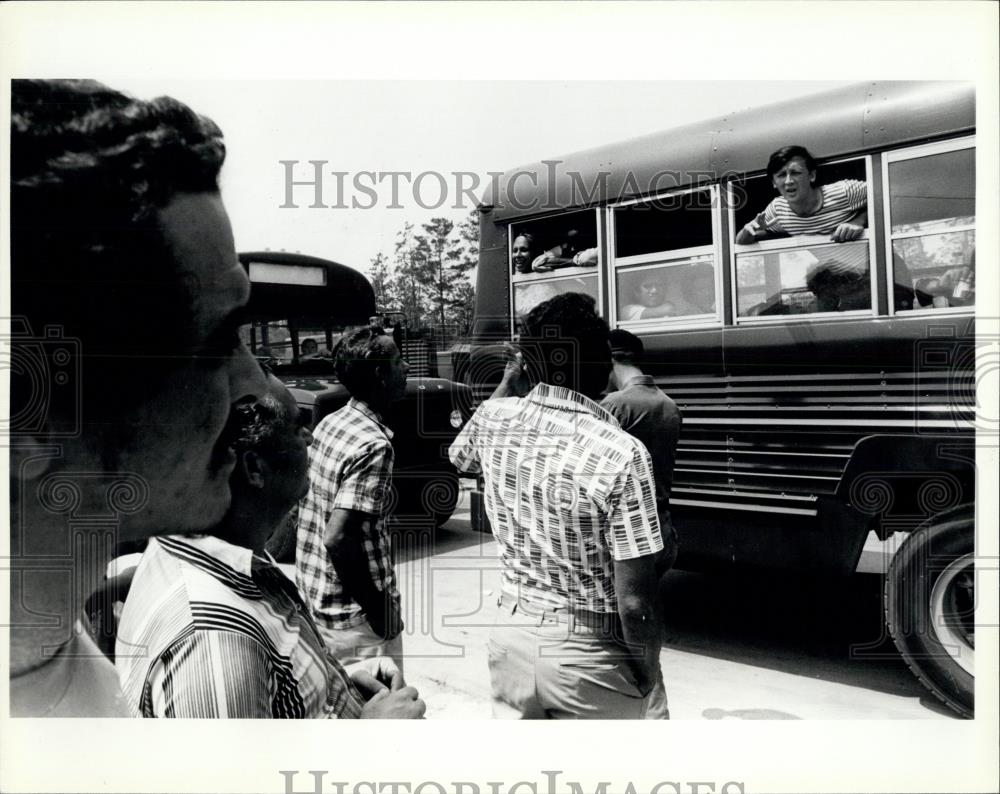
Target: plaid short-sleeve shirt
column 568, row 492
column 350, row 467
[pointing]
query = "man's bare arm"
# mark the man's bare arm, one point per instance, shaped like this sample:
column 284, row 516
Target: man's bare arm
column 344, row 541
column 635, row 585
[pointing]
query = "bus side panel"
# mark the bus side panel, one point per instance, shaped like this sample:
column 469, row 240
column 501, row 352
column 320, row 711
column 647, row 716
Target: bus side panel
column 492, row 321
column 761, row 464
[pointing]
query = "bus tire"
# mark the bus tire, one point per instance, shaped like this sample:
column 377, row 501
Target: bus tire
column 929, row 603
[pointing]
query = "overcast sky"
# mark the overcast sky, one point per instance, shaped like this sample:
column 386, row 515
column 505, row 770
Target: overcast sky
column 415, row 127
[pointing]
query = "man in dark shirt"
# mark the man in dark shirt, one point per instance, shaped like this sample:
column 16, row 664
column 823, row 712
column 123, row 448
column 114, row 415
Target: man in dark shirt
column 647, row 414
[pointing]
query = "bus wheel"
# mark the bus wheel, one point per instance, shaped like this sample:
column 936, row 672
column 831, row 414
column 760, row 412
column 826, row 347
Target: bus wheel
column 929, row 607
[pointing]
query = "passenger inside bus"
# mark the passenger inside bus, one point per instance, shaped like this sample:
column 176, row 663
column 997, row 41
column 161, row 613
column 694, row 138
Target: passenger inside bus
column 649, row 300
column 521, row 253
column 310, row 348
column 838, row 287
column 568, row 253
column 839, row 209
column 697, row 290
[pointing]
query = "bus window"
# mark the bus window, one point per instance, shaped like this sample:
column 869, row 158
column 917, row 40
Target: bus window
column 932, row 217
column 754, row 194
column 528, row 295
column 559, row 239
column 665, row 258
column 667, row 223
column 683, row 289
column 812, row 279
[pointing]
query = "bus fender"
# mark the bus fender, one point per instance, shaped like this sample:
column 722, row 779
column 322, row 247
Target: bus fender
column 902, row 480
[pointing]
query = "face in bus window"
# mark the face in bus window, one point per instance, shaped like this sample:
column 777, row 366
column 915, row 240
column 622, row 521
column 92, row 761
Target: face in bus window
column 521, row 254
column 650, row 292
column 698, row 289
column 794, row 181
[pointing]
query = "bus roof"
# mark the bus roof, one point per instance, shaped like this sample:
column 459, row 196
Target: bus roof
column 311, row 289
column 854, row 119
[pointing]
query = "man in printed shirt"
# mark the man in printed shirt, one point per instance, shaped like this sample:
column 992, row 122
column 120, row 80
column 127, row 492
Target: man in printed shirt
column 212, row 628
column 342, row 560
column 570, row 498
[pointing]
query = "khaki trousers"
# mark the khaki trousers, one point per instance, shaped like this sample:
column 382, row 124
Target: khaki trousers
column 552, row 664
column 360, row 642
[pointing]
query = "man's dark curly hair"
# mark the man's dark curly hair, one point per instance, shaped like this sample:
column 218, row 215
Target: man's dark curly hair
column 356, row 358
column 260, row 423
column 90, row 168
column 565, row 342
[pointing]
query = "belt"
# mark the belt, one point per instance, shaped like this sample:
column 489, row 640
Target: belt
column 606, row 621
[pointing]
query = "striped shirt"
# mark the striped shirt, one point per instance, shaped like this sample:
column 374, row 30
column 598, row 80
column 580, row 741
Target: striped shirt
column 350, row 468
column 567, row 491
column 841, row 200
column 211, row 630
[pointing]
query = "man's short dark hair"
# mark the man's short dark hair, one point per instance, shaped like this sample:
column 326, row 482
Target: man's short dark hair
column 625, row 346
column 566, row 342
column 778, row 160
column 356, row 360
column 90, row 169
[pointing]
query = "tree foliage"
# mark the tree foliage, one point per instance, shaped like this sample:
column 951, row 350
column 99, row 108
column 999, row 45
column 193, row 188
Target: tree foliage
column 430, row 274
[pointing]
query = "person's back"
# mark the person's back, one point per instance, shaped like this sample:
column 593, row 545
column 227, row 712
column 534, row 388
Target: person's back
column 553, row 481
column 570, row 499
column 650, row 416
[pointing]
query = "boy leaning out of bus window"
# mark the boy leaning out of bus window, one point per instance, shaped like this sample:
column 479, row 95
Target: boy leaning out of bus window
column 839, row 209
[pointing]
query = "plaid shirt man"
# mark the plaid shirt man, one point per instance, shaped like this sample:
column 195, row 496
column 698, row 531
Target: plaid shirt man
column 212, row 630
column 350, row 468
column 567, row 492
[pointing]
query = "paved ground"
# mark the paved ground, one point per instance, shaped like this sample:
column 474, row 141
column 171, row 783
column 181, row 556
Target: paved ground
column 750, row 647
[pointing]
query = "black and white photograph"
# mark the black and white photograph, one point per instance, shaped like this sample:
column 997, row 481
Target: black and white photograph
column 472, row 363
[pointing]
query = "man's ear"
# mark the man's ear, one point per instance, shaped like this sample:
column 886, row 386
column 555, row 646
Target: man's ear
column 254, row 469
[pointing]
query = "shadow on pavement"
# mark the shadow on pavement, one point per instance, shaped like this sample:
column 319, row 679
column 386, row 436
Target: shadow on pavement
column 825, row 628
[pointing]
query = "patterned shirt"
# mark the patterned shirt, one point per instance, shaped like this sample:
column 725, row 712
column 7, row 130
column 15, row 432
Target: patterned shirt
column 211, row 630
column 841, row 200
column 568, row 492
column 350, row 468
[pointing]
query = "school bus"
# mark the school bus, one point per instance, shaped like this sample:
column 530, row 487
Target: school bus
column 809, row 420
column 299, row 306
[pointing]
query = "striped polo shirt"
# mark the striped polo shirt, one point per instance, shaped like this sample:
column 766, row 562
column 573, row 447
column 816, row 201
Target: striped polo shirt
column 211, row 630
column 841, row 200
column 567, row 492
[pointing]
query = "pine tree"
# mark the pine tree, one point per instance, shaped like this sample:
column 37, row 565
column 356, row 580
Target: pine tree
column 381, row 280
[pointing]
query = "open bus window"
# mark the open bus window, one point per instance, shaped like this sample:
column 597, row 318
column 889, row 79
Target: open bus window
column 540, row 247
column 752, row 195
column 528, row 296
column 816, row 279
column 932, row 217
column 658, row 292
column 666, row 223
